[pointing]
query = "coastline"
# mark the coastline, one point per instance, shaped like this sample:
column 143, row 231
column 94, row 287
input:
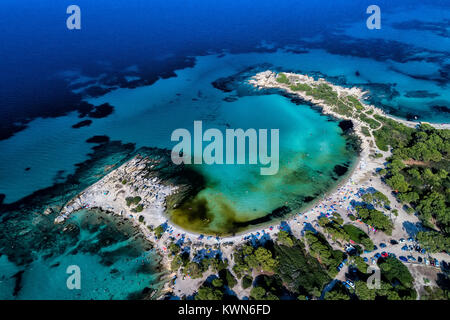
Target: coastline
column 110, row 195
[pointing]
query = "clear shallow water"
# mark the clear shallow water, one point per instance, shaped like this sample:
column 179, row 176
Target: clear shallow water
column 310, row 145
column 147, row 115
column 109, row 257
column 321, row 38
column 310, row 148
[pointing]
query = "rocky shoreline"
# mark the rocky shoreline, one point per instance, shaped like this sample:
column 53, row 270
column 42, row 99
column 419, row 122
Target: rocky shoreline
column 136, row 191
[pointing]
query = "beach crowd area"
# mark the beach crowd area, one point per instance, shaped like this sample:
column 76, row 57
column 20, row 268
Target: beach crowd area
column 129, row 192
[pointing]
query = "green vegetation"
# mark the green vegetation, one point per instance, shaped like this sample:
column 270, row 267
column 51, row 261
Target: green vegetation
column 371, row 122
column 228, row 278
column 293, row 269
column 281, row 78
column 365, row 131
column 322, row 251
column 391, row 133
column 216, row 264
column 133, row 200
column 322, row 91
column 301, row 87
column 196, row 269
column 377, row 199
column 325, row 92
column 247, row 281
column 359, row 263
column 434, row 241
column 358, row 106
column 396, row 283
column 339, row 292
column 268, row 288
column 174, row 248
column 176, row 263
column 247, row 258
column 208, row 293
column 435, row 293
column 375, row 218
column 285, row 239
column 159, row 231
column 299, row 271
column 217, row 282
column 359, row 236
column 377, row 155
column 342, row 108
column 418, row 170
column 393, row 270
column 139, row 208
column 333, row 226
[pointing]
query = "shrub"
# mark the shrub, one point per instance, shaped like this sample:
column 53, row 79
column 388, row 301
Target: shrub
column 247, row 281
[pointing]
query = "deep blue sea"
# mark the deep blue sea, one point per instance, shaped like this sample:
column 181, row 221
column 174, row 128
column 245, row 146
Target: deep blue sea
column 157, row 65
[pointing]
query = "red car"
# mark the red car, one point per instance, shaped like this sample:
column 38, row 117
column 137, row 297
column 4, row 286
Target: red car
column 384, row 254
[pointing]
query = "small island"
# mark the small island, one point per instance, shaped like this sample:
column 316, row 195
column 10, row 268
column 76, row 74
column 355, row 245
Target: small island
column 400, row 181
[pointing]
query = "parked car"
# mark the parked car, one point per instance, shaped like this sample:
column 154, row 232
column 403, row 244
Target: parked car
column 377, row 256
column 382, row 245
column 365, row 259
column 411, row 239
column 401, row 240
column 419, row 259
column 426, row 261
column 393, row 242
column 375, row 248
column 436, row 263
column 384, row 254
column 411, row 258
column 392, row 255
column 405, row 248
column 432, row 262
column 423, row 251
column 402, row 258
column 351, row 284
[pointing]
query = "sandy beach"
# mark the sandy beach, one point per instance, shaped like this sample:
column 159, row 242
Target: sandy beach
column 110, row 194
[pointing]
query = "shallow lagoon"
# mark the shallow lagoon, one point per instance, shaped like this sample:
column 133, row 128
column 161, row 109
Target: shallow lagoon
column 50, row 148
column 311, row 145
column 238, row 196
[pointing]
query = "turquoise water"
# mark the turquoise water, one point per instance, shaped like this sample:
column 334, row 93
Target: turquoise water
column 147, row 115
column 310, row 145
column 407, row 78
column 239, row 193
column 109, row 257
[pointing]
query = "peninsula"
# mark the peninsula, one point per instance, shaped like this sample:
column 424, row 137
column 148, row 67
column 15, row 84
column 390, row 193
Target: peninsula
column 397, row 182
